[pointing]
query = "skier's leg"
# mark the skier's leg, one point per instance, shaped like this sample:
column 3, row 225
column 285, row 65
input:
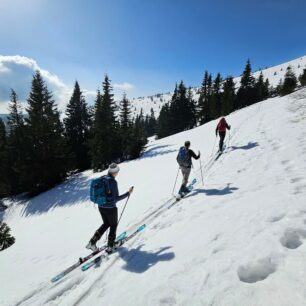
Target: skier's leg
column 186, row 173
column 102, row 229
column 113, row 221
column 222, row 136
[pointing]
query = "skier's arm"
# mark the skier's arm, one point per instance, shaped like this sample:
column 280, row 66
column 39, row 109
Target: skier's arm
column 228, row 126
column 123, row 196
column 127, row 194
column 192, row 154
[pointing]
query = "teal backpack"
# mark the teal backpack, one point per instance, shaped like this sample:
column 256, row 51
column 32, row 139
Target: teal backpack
column 99, row 188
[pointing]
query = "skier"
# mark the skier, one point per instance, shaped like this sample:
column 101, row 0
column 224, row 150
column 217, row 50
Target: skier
column 184, row 160
column 221, row 128
column 109, row 211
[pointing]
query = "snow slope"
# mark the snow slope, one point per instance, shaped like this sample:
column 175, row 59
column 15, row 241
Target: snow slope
column 274, row 74
column 239, row 239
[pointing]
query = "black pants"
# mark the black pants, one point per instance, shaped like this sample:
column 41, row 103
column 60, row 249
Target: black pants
column 222, row 136
column 110, row 220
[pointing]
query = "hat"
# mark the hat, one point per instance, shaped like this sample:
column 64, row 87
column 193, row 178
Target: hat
column 113, row 168
column 187, row 143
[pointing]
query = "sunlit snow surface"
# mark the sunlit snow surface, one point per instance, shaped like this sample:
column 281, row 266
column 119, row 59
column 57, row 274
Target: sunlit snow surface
column 239, row 239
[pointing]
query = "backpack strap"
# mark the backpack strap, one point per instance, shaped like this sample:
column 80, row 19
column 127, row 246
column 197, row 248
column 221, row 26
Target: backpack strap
column 106, row 179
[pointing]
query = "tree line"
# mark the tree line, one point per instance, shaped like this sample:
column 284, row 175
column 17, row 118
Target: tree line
column 38, row 149
column 219, row 97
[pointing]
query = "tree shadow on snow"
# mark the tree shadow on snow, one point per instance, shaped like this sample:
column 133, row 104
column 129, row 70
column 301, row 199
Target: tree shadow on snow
column 249, row 146
column 71, row 192
column 213, row 192
column 155, row 151
column 138, row 261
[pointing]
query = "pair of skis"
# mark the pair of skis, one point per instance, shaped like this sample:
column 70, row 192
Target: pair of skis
column 120, row 240
column 189, row 188
column 119, row 244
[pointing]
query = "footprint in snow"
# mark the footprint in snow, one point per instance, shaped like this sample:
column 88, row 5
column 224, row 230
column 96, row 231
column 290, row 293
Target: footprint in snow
column 257, row 271
column 292, row 238
column 277, row 218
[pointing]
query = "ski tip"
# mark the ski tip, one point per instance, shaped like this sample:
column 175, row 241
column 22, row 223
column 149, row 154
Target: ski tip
column 56, row 278
column 85, row 267
column 140, row 228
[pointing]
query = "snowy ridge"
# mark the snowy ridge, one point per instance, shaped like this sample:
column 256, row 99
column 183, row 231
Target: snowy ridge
column 274, row 74
column 238, row 240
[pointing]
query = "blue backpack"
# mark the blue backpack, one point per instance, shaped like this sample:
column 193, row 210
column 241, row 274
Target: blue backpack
column 183, row 157
column 99, row 189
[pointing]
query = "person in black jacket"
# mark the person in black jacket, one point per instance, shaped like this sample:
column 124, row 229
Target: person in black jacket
column 109, row 211
column 184, row 160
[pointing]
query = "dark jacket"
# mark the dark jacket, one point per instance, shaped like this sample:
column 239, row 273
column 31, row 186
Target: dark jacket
column 112, row 192
column 192, row 155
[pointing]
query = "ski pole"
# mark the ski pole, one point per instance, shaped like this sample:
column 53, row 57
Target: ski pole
column 229, row 136
column 201, row 172
column 213, row 146
column 124, row 207
column 176, row 180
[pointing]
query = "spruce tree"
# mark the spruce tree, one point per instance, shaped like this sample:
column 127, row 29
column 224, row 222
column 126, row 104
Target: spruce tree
column 98, row 157
column 6, row 240
column 203, row 108
column 246, row 94
column 17, row 146
column 228, row 96
column 215, row 99
column 106, row 141
column 139, row 137
column 278, row 88
column 4, row 167
column 192, row 120
column 302, row 78
column 182, row 113
column 151, row 125
column 267, row 89
column 46, row 160
column 125, row 126
column 164, row 122
column 77, row 125
column 290, row 82
column 259, row 87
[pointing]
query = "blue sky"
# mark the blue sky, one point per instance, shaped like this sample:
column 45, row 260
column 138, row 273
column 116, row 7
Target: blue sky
column 151, row 44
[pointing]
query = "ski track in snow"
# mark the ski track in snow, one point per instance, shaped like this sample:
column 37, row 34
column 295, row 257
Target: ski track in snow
column 237, row 240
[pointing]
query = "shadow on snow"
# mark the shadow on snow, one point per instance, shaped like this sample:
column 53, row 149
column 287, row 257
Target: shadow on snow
column 71, row 192
column 213, row 192
column 155, row 151
column 138, row 261
column 249, row 146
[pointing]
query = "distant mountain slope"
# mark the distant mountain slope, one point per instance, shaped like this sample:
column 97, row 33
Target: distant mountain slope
column 274, row 74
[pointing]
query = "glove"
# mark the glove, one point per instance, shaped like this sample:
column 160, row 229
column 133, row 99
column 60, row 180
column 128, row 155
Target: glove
column 131, row 190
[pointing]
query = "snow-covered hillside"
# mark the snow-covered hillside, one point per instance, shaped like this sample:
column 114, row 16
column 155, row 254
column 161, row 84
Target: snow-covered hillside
column 239, row 239
column 274, row 74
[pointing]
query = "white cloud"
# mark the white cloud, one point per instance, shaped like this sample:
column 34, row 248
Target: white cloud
column 124, row 86
column 4, row 69
column 17, row 72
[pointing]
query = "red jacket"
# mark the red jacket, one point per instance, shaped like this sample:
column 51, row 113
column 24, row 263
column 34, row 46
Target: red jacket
column 222, row 126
